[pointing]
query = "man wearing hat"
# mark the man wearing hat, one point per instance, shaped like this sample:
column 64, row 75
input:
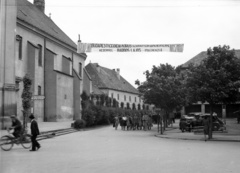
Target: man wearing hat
column 34, row 132
column 16, row 125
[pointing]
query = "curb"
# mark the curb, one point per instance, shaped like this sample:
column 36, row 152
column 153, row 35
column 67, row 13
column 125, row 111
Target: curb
column 183, row 138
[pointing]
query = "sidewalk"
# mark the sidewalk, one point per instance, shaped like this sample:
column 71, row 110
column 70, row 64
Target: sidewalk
column 46, row 126
column 175, row 133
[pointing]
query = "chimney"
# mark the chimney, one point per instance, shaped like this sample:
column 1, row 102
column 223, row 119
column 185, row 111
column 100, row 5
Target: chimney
column 118, row 73
column 97, row 67
column 40, row 4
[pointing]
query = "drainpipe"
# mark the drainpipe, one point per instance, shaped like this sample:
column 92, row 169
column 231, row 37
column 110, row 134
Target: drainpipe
column 73, row 89
column 44, row 81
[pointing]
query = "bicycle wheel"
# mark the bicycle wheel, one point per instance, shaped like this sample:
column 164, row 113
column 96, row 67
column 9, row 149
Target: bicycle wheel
column 6, row 143
column 26, row 141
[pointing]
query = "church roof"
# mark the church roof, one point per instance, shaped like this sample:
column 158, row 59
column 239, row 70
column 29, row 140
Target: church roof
column 30, row 14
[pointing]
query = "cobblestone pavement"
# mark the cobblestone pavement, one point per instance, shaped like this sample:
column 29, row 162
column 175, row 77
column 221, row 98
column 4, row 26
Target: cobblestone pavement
column 105, row 150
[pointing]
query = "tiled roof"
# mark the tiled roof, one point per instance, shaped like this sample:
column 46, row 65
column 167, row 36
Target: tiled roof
column 105, row 78
column 30, row 14
column 198, row 58
column 96, row 90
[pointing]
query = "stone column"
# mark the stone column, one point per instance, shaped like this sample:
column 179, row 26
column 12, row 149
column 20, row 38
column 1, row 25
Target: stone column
column 8, row 16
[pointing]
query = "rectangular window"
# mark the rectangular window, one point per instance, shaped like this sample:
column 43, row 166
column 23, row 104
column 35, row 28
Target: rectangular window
column 39, row 90
column 112, row 95
column 66, row 65
column 80, row 69
column 17, row 85
column 40, row 55
column 19, row 46
column 124, row 98
column 135, row 99
column 118, row 96
column 130, row 98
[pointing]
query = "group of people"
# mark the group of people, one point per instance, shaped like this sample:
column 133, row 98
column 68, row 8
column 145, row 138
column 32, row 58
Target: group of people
column 134, row 122
column 18, row 130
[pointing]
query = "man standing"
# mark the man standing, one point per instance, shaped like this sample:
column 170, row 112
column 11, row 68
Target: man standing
column 34, row 132
column 205, row 127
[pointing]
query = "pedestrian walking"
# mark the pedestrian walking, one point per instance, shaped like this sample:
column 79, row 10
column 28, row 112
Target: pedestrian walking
column 144, row 120
column 135, row 121
column 205, row 127
column 124, row 119
column 129, row 122
column 116, row 122
column 237, row 115
column 149, row 122
column 35, row 133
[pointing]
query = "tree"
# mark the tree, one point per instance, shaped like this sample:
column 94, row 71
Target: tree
column 133, row 106
column 139, row 106
column 102, row 99
column 115, row 103
column 26, row 98
column 162, row 87
column 128, row 105
column 85, row 99
column 122, row 105
column 216, row 80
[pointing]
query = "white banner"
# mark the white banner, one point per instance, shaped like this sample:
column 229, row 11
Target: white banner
column 96, row 47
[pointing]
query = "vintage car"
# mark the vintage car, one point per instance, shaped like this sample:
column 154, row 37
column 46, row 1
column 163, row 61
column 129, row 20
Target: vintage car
column 185, row 123
column 217, row 123
column 194, row 121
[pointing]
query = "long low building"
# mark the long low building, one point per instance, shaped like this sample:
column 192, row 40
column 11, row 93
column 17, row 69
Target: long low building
column 111, row 83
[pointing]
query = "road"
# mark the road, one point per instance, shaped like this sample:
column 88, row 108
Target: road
column 105, row 150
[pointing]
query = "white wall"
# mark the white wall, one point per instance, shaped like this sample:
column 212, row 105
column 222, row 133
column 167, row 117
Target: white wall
column 121, row 98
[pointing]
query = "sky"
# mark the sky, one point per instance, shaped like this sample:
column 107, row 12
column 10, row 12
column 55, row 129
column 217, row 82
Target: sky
column 196, row 24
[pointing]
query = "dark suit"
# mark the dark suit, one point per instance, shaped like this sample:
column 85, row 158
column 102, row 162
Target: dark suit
column 34, row 132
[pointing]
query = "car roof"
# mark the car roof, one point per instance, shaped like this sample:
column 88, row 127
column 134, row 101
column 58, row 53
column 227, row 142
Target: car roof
column 186, row 117
column 208, row 114
column 195, row 113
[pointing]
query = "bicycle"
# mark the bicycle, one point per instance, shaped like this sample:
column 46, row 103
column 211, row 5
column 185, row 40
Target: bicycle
column 7, row 141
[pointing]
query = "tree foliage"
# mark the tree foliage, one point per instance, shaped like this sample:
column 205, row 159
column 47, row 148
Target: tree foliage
column 162, row 87
column 26, row 94
column 26, row 98
column 216, row 79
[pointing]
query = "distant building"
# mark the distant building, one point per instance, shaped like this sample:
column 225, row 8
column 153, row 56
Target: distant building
column 37, row 46
column 111, row 83
column 196, row 60
column 221, row 110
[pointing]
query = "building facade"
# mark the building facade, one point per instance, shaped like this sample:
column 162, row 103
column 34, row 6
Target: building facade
column 44, row 52
column 110, row 83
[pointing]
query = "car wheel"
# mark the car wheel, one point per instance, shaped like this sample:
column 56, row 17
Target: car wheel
column 215, row 127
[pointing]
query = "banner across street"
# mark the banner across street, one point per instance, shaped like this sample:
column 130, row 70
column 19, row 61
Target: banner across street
column 97, row 47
